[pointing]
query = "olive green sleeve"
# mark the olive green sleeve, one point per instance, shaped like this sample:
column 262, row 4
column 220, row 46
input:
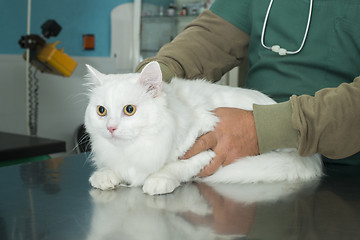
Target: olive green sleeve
column 273, row 127
column 328, row 123
column 207, row 48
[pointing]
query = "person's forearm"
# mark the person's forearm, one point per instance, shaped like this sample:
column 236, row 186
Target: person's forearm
column 207, row 48
column 328, row 123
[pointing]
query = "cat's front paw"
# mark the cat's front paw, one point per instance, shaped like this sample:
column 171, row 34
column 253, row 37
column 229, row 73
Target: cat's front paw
column 155, row 185
column 104, row 180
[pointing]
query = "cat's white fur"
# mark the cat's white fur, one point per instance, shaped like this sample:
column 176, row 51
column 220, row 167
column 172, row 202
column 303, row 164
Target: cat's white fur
column 145, row 147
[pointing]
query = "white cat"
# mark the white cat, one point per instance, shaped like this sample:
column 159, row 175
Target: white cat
column 139, row 127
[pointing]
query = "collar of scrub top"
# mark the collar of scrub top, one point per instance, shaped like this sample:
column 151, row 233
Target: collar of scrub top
column 276, row 48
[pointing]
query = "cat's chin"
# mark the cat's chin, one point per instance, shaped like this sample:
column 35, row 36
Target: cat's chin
column 116, row 139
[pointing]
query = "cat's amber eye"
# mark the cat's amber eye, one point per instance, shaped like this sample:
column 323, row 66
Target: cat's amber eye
column 101, row 111
column 129, row 110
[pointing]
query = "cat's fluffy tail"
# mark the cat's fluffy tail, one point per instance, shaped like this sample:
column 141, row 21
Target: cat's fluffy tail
column 270, row 167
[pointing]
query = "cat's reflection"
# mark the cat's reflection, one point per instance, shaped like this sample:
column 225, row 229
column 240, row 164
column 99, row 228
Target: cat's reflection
column 193, row 211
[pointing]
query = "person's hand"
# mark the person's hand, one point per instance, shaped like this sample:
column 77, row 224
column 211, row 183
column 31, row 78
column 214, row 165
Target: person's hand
column 234, row 137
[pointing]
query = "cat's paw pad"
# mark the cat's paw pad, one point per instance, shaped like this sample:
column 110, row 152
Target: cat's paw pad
column 104, row 180
column 155, row 185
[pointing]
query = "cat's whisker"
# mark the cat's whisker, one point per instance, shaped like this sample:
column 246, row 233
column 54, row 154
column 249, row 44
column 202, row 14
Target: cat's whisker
column 89, row 158
column 82, row 137
column 87, row 147
column 79, row 98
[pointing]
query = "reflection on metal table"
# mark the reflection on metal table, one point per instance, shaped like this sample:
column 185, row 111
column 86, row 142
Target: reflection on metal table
column 52, row 199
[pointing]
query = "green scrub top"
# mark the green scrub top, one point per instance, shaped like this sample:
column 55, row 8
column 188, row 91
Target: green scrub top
column 327, row 59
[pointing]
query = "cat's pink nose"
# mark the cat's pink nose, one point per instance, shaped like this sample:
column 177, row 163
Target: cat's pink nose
column 111, row 129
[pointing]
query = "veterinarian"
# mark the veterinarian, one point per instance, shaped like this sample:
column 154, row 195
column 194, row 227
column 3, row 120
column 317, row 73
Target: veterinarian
column 302, row 53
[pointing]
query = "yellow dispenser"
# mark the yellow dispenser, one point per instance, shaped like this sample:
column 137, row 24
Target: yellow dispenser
column 55, row 60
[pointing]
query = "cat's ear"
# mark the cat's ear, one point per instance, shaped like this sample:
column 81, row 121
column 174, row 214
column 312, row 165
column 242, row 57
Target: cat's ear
column 151, row 77
column 94, row 75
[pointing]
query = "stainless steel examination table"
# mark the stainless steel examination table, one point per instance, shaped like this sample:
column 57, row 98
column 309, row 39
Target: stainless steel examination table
column 52, row 199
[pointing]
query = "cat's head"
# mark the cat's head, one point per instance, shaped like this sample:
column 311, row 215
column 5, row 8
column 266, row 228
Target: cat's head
column 125, row 106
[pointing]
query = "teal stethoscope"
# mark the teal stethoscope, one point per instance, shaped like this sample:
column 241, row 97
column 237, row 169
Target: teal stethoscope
column 276, row 48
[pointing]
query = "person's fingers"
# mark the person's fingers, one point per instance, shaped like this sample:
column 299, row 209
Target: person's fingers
column 202, row 144
column 212, row 166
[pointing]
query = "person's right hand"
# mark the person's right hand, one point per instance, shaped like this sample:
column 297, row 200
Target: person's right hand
column 234, row 137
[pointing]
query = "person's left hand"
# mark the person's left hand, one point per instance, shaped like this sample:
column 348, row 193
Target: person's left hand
column 234, row 137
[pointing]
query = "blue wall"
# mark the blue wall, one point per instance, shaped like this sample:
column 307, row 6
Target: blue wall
column 77, row 17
